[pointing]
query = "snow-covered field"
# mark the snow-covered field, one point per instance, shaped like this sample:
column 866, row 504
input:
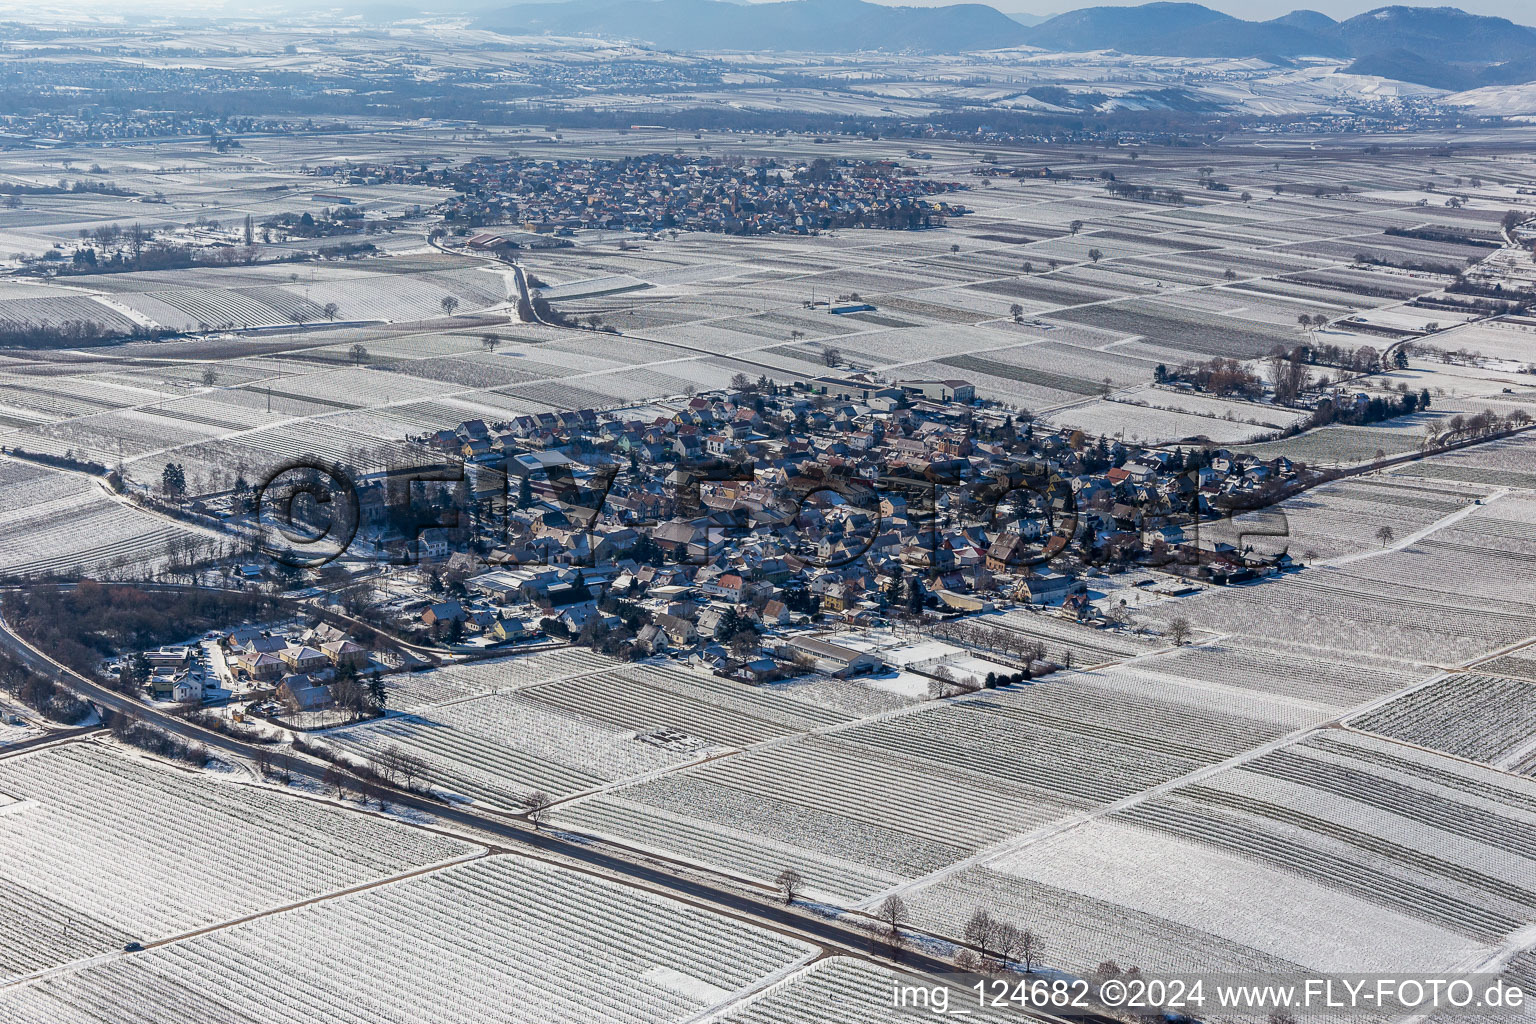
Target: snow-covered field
column 101, row 848
column 497, row 941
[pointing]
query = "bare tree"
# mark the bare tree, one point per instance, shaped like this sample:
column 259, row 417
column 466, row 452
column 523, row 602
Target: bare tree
column 335, row 779
column 1007, row 939
column 1386, row 535
column 893, row 911
column 1179, row 631
column 359, row 354
column 537, row 803
column 789, row 883
column 831, row 355
column 449, row 304
column 210, row 377
column 1030, row 950
column 1017, row 312
column 981, row 931
column 966, row 960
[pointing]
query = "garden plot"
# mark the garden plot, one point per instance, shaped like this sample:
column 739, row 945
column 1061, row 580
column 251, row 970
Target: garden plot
column 116, row 846
column 1282, row 915
column 1480, row 717
column 498, row 941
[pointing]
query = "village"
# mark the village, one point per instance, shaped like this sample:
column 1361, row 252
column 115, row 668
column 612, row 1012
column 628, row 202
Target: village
column 667, row 192
column 737, row 530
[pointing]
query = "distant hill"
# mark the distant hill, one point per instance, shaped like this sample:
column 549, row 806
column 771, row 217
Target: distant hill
column 1407, row 66
column 826, row 26
column 1443, row 33
column 1441, row 46
column 1437, row 46
column 1307, row 21
column 1177, row 30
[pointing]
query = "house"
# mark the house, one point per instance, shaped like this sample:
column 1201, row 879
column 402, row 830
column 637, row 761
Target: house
column 833, row 659
column 1043, row 588
column 651, row 639
column 447, row 611
column 345, row 652
column 940, row 390
column 169, row 684
column 679, row 630
column 727, row 586
column 301, row 692
column 260, row 665
column 169, row 657
column 509, row 629
column 775, row 613
column 761, row 670
column 304, row 658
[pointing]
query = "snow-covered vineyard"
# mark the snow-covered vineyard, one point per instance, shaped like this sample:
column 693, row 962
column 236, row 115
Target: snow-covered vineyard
column 102, row 848
column 497, row 940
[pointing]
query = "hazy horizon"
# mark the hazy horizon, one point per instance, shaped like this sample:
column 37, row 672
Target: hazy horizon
column 1258, row 10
